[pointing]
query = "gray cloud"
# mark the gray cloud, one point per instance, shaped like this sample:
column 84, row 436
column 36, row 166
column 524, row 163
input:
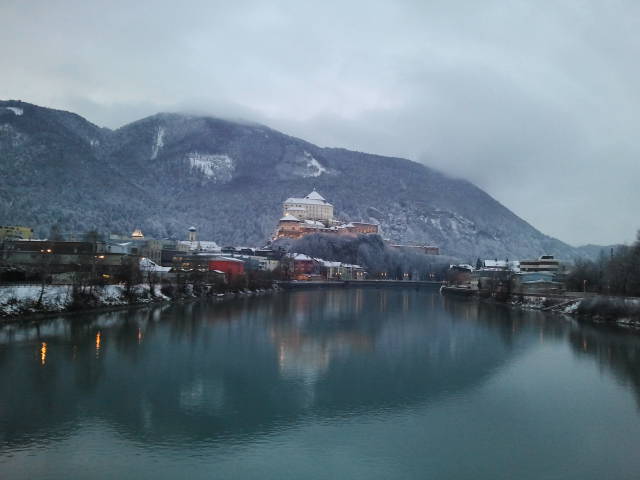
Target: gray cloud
column 535, row 102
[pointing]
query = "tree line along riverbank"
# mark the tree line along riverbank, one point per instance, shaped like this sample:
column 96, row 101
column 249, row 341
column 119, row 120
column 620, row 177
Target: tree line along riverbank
column 585, row 307
column 18, row 301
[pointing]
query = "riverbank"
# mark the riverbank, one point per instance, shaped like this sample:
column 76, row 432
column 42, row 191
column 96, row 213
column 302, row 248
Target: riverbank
column 597, row 309
column 584, row 307
column 32, row 302
column 620, row 311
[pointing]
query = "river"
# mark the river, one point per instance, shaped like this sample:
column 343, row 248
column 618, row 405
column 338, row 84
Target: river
column 329, row 384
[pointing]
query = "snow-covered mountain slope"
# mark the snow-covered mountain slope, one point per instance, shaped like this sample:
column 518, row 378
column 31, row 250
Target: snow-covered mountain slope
column 169, row 171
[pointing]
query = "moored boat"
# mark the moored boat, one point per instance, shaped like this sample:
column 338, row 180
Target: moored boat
column 458, row 290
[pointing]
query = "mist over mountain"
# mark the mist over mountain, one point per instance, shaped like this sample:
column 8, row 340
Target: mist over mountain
column 169, row 171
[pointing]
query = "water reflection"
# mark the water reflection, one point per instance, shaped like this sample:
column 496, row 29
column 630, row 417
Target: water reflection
column 614, row 350
column 43, row 353
column 222, row 372
column 98, row 345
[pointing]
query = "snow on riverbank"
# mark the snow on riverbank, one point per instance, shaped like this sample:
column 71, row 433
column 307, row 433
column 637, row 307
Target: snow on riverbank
column 24, row 299
column 530, row 302
column 18, row 299
column 598, row 308
column 613, row 310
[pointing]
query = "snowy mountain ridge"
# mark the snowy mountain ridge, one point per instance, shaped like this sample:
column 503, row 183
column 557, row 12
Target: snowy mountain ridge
column 168, row 171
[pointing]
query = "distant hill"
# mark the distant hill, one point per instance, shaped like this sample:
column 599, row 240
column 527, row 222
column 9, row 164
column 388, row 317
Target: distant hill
column 594, row 251
column 167, row 172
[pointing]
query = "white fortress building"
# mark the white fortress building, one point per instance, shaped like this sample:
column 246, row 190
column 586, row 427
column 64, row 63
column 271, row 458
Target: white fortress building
column 311, row 207
column 313, row 214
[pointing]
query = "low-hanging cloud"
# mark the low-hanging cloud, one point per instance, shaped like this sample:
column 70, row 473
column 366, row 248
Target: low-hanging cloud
column 536, row 103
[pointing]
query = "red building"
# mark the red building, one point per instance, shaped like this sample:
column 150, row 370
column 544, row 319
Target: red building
column 303, row 264
column 230, row 266
column 304, row 267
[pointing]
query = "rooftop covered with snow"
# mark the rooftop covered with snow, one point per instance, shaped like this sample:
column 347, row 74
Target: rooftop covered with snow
column 289, row 218
column 314, row 198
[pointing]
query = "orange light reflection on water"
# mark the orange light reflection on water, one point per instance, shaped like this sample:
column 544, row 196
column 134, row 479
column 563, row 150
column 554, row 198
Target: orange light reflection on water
column 97, row 344
column 43, row 353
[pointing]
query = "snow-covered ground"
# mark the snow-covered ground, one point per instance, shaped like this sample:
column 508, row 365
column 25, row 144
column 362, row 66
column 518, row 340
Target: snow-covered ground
column 16, row 110
column 18, row 300
column 216, row 167
column 158, row 144
column 14, row 300
column 572, row 308
column 530, row 302
column 612, row 310
column 315, row 167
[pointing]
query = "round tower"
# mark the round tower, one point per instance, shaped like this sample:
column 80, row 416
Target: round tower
column 193, row 236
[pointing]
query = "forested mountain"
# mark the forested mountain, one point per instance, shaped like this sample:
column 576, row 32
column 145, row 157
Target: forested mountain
column 169, row 171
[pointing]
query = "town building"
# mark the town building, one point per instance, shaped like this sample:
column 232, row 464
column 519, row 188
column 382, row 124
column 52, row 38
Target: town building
column 536, row 283
column 232, row 267
column 340, row 271
column 60, row 256
column 499, row 266
column 148, row 266
column 193, row 244
column 198, row 246
column 492, row 277
column 544, row 263
column 304, row 267
column 257, row 262
column 266, row 260
column 460, row 274
column 500, row 278
column 136, row 244
column 176, row 251
column 15, row 232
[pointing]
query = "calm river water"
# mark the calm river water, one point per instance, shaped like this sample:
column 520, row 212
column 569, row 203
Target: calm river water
column 327, row 384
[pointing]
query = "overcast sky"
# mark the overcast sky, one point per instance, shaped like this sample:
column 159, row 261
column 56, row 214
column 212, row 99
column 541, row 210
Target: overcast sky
column 536, row 102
